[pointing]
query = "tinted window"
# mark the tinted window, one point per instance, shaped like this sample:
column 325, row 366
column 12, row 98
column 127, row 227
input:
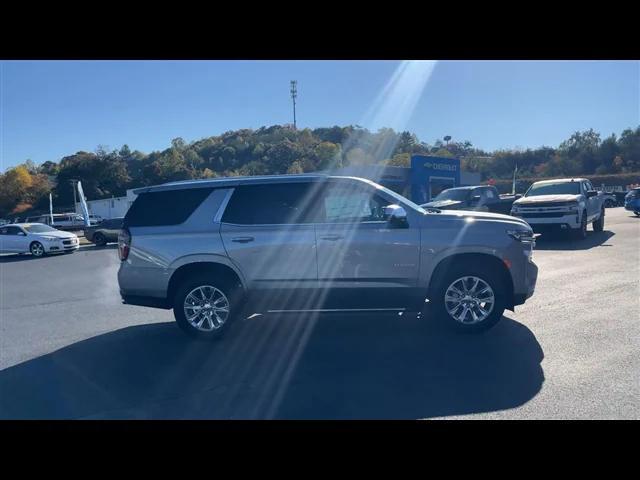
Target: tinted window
column 349, row 202
column 452, row 194
column 281, row 203
column 10, row 231
column 171, row 207
column 115, row 223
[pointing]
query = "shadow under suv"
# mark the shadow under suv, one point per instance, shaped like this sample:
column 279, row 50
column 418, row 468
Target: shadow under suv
column 211, row 249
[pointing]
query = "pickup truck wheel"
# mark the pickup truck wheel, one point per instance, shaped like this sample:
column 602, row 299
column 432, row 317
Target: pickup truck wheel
column 99, row 239
column 205, row 307
column 469, row 299
column 598, row 225
column 581, row 233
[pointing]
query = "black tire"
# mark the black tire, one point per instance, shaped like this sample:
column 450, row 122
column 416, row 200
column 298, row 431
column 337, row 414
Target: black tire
column 99, row 239
column 598, row 225
column 637, row 213
column 37, row 249
column 581, row 233
column 484, row 273
column 231, row 291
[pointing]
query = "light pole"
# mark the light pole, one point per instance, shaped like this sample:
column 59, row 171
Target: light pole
column 75, row 203
column 294, row 94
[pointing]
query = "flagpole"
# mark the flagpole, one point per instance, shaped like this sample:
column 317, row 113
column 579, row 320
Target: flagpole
column 51, row 207
column 513, row 186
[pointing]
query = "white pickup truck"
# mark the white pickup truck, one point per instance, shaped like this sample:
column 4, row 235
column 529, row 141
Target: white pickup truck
column 568, row 204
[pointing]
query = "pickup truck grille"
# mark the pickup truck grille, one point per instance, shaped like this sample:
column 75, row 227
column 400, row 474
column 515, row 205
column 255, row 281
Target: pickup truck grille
column 543, row 214
column 544, row 205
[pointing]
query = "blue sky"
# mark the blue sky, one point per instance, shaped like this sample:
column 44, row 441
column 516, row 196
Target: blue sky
column 49, row 109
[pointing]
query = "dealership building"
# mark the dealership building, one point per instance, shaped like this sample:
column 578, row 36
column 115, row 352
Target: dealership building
column 423, row 180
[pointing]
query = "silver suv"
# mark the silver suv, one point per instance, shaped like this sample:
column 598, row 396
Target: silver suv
column 211, row 249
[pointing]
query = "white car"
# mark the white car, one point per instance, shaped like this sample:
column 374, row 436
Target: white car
column 37, row 238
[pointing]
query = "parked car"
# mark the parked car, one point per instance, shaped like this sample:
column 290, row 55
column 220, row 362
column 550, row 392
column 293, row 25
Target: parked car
column 620, row 197
column 632, row 201
column 609, row 200
column 37, row 238
column 107, row 231
column 316, row 243
column 484, row 198
column 61, row 221
column 568, row 204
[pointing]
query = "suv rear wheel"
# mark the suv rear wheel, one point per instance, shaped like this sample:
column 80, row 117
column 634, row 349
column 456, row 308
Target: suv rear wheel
column 205, row 307
column 469, row 299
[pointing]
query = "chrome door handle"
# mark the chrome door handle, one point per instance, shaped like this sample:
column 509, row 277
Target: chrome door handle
column 331, row 238
column 242, row 239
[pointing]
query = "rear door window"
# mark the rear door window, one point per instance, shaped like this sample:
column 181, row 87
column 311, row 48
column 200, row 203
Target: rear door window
column 170, row 207
column 272, row 204
column 13, row 231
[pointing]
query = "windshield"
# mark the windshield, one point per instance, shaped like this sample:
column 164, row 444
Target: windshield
column 564, row 188
column 38, row 228
column 452, row 194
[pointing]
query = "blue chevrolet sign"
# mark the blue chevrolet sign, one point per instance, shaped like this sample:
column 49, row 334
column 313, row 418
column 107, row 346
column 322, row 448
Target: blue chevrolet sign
column 430, row 175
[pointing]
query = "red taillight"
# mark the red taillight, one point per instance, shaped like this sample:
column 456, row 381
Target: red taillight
column 124, row 244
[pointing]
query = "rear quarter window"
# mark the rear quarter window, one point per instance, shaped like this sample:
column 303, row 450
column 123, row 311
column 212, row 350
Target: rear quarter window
column 171, row 207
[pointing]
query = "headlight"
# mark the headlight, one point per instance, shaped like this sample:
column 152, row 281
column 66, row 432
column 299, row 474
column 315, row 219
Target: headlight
column 521, row 235
column 51, row 239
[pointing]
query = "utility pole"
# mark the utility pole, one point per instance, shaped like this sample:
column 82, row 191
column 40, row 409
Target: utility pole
column 294, row 94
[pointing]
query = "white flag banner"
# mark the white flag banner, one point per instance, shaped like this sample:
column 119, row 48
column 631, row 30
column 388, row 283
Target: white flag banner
column 51, row 208
column 83, row 204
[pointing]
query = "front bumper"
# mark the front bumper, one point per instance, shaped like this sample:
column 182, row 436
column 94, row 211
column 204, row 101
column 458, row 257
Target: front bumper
column 564, row 221
column 632, row 205
column 531, row 277
column 66, row 245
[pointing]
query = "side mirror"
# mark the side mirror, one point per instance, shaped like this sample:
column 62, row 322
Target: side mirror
column 397, row 215
column 591, row 193
column 22, row 234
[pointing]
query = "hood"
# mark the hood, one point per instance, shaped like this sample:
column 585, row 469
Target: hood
column 444, row 204
column 485, row 216
column 57, row 233
column 547, row 198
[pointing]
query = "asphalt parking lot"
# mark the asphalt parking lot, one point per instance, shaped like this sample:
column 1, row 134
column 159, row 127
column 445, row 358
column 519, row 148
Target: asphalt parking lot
column 70, row 349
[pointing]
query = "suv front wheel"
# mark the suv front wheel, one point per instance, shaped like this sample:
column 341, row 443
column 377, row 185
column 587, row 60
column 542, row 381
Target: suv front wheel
column 469, row 299
column 204, row 308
